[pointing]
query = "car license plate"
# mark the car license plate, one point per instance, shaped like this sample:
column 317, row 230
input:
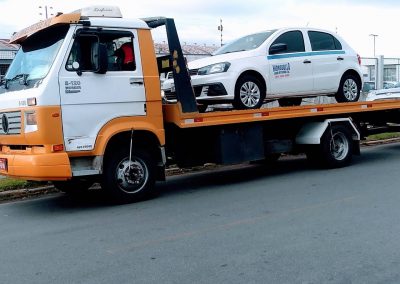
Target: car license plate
column 3, row 164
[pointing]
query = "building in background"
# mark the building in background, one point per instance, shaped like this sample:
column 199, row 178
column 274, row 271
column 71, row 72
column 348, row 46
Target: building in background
column 190, row 51
column 7, row 54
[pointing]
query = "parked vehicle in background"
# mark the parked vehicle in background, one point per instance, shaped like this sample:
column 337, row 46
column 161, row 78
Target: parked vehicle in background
column 368, row 86
column 285, row 64
column 391, row 84
column 384, row 94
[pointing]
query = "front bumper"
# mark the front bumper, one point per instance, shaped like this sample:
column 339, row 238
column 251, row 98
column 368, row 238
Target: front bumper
column 213, row 87
column 49, row 166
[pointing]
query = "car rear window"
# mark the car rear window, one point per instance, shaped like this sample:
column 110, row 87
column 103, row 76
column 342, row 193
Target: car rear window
column 323, row 41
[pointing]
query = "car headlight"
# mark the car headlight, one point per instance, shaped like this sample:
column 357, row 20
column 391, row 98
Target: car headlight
column 214, row 68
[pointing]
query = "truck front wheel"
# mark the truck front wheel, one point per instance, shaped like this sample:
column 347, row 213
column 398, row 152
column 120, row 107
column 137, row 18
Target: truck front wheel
column 129, row 180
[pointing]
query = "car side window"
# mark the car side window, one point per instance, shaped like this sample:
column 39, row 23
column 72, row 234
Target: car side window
column 294, row 41
column 323, row 41
column 119, row 44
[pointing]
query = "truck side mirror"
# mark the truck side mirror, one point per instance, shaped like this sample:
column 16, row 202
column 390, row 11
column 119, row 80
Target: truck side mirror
column 99, row 58
column 278, row 48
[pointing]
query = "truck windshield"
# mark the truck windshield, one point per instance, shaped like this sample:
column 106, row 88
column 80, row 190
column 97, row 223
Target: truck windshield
column 248, row 42
column 36, row 55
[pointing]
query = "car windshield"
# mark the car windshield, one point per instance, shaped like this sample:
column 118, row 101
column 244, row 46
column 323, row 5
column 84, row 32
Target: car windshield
column 248, row 42
column 36, row 55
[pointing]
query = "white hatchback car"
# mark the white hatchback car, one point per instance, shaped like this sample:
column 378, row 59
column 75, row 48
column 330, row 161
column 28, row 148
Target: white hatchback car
column 285, row 64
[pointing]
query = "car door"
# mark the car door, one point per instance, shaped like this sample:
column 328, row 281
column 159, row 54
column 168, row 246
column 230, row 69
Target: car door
column 327, row 60
column 290, row 68
column 89, row 99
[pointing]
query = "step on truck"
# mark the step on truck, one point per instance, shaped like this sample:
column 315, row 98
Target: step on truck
column 74, row 112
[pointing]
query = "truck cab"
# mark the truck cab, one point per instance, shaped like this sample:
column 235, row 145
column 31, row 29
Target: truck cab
column 58, row 114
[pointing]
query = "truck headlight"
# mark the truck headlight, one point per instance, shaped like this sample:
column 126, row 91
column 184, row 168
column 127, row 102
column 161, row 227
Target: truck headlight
column 214, row 68
column 30, row 122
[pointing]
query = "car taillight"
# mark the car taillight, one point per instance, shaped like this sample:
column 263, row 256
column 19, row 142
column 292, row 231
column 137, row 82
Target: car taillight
column 359, row 59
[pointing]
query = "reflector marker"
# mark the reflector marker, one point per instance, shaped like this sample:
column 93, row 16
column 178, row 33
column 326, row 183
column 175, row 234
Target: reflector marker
column 189, row 121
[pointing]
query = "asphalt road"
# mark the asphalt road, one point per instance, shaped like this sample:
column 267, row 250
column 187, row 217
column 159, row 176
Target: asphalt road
column 290, row 224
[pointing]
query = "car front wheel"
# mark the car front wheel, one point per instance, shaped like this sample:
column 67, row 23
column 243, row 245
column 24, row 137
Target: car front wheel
column 249, row 93
column 349, row 89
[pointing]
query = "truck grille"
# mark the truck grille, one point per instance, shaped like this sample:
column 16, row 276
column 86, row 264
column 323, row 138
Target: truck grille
column 10, row 123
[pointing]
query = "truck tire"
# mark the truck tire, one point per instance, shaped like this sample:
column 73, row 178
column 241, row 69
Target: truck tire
column 73, row 186
column 124, row 183
column 349, row 89
column 335, row 150
column 249, row 93
column 284, row 102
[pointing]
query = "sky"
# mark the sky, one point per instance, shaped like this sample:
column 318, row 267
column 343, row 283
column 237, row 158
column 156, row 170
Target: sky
column 197, row 21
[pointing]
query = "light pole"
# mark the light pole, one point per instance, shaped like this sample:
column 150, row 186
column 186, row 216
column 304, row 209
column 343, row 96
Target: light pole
column 220, row 28
column 374, row 36
column 46, row 10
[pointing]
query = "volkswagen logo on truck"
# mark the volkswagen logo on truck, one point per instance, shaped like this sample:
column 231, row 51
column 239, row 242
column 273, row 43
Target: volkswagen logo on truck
column 4, row 123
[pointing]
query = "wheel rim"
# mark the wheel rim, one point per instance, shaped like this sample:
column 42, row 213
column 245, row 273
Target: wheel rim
column 131, row 179
column 250, row 94
column 339, row 146
column 350, row 89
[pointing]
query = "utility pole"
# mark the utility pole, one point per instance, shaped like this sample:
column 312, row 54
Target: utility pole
column 46, row 11
column 374, row 36
column 220, row 28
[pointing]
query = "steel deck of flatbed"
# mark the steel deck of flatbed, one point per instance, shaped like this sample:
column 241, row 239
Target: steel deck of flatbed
column 173, row 113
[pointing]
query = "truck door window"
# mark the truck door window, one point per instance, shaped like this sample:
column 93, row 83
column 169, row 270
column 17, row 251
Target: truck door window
column 294, row 41
column 121, row 55
column 323, row 41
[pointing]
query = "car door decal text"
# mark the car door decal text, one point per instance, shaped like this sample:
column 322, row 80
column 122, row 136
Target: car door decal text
column 281, row 70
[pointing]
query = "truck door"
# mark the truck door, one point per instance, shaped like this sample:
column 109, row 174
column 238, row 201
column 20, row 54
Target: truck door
column 89, row 99
column 290, row 69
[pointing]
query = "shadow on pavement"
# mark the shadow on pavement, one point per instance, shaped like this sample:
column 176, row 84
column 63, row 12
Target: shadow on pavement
column 197, row 181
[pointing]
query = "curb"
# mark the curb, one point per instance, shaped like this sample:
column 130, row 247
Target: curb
column 380, row 142
column 32, row 192
column 26, row 192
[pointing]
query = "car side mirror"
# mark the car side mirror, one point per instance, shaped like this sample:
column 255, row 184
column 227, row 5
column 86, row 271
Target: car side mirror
column 99, row 58
column 278, row 48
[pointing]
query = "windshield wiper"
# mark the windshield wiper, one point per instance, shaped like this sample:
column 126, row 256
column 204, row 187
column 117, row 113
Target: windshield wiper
column 22, row 76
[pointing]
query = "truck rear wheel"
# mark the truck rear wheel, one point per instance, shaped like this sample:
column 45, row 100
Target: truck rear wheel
column 335, row 150
column 129, row 180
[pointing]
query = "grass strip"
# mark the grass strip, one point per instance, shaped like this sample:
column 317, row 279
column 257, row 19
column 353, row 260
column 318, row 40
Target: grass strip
column 383, row 136
column 11, row 184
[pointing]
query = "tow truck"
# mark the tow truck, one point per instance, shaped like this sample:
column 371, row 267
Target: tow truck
column 69, row 114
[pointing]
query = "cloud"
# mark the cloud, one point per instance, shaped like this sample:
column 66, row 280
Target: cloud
column 197, row 20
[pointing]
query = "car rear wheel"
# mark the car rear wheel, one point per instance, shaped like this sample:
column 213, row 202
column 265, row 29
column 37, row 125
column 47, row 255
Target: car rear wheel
column 249, row 93
column 349, row 89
